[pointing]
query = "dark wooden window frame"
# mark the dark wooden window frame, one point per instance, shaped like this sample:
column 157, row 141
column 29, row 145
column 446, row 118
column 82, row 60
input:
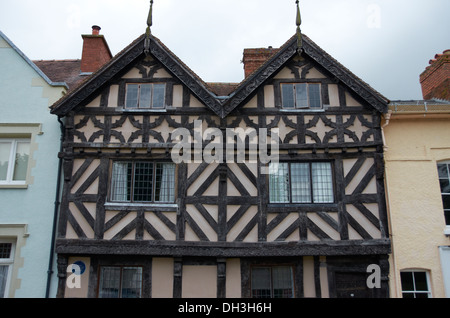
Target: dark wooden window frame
column 271, row 266
column 311, row 204
column 120, row 277
column 152, row 102
column 297, row 107
column 324, row 93
column 296, row 263
column 133, row 162
column 113, row 261
column 168, row 96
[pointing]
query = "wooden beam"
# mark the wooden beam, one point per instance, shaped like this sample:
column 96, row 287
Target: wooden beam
column 223, row 249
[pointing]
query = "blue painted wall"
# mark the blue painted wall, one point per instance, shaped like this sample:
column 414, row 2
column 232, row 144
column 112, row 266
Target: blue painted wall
column 25, row 97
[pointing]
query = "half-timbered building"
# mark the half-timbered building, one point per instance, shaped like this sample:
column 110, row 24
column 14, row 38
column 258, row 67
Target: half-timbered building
column 310, row 222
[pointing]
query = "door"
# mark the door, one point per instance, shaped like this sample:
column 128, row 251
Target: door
column 352, row 285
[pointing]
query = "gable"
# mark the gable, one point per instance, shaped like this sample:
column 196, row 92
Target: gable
column 303, row 70
column 314, row 63
column 146, row 70
column 7, row 44
column 323, row 65
column 132, row 65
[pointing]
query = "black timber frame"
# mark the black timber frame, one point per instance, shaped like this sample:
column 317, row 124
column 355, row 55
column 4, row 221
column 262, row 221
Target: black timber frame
column 373, row 105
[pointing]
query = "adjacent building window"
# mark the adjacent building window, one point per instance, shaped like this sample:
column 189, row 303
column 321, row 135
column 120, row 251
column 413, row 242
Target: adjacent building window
column 301, row 96
column 14, row 156
column 6, row 264
column 145, row 96
column 301, row 182
column 120, row 282
column 444, row 180
column 272, row 282
column 143, row 182
column 415, row 284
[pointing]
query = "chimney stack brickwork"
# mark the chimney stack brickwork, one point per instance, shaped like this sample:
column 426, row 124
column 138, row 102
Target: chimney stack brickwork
column 255, row 58
column 435, row 80
column 95, row 51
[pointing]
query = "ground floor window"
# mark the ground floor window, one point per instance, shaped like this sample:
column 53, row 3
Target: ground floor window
column 272, row 282
column 415, row 284
column 6, row 263
column 120, row 282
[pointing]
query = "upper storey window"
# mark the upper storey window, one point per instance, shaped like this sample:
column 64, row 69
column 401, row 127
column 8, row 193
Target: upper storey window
column 143, row 182
column 301, row 182
column 146, row 96
column 301, row 96
column 14, row 155
column 444, row 180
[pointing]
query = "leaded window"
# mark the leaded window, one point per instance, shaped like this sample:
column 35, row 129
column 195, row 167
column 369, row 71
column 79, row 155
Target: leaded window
column 272, row 282
column 120, row 282
column 301, row 182
column 143, row 181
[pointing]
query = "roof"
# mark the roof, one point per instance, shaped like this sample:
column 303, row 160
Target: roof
column 326, row 61
column 49, row 81
column 420, row 106
column 67, row 71
column 222, row 89
column 122, row 61
column 221, row 98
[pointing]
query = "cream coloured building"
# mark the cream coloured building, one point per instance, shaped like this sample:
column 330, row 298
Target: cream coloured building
column 417, row 158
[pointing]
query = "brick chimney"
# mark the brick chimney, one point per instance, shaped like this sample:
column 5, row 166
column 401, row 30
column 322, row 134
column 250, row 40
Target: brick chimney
column 255, row 58
column 96, row 51
column 435, row 80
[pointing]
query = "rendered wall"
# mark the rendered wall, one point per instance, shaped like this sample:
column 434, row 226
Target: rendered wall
column 24, row 100
column 415, row 146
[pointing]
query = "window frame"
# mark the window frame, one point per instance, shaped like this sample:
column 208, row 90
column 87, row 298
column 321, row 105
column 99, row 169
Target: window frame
column 121, row 267
column 132, row 183
column 11, row 161
column 446, row 211
column 10, row 263
column 415, row 291
column 311, row 184
column 271, row 267
column 151, row 106
column 308, row 97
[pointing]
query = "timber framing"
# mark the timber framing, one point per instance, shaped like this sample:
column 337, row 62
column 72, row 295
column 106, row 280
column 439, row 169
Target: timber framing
column 120, row 64
column 221, row 210
column 247, row 88
column 223, row 249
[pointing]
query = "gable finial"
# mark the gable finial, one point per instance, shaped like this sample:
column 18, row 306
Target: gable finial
column 148, row 31
column 299, row 32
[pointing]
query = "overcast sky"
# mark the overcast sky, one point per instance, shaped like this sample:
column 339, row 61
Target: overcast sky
column 387, row 43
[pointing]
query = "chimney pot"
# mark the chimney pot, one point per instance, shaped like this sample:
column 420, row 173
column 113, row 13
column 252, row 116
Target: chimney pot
column 96, row 30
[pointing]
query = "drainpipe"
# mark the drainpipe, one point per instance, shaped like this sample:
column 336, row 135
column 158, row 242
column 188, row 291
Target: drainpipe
column 387, row 118
column 55, row 213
